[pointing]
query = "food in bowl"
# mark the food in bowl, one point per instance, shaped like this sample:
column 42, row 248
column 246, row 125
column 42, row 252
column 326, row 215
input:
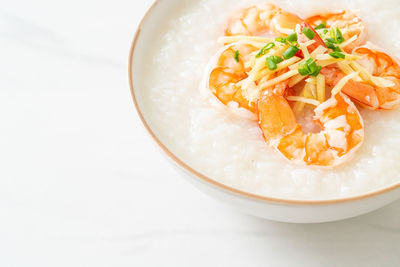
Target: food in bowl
column 272, row 57
column 208, row 135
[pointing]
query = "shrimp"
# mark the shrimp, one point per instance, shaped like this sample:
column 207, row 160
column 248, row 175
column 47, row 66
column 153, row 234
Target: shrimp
column 360, row 92
column 225, row 77
column 262, row 19
column 341, row 135
column 383, row 66
column 369, row 94
column 229, row 70
column 258, row 76
column 344, row 20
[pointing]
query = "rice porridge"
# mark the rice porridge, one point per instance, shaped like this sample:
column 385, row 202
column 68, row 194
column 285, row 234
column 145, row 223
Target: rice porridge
column 229, row 148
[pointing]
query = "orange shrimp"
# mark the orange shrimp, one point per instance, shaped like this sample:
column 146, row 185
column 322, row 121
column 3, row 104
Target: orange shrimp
column 360, row 92
column 368, row 94
column 260, row 20
column 341, row 135
column 344, row 20
column 224, row 79
column 228, row 72
column 385, row 67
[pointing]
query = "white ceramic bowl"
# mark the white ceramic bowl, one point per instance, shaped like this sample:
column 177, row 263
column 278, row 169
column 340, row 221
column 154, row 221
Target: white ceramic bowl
column 271, row 208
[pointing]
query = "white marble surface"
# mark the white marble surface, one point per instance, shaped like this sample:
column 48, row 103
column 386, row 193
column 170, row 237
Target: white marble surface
column 81, row 184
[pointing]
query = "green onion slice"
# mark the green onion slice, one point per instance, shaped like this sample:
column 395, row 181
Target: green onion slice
column 337, row 55
column 309, row 67
column 303, row 70
column 331, row 40
column 339, row 36
column 281, row 40
column 309, row 33
column 271, row 63
column 236, row 56
column 330, row 45
column 333, row 46
column 264, row 50
column 292, row 37
column 277, row 59
column 321, row 26
column 290, row 52
column 336, row 36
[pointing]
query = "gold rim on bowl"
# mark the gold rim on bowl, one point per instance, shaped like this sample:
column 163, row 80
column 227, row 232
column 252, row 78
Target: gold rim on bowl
column 212, row 182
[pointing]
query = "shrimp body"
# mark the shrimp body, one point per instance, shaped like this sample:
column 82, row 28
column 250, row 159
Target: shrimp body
column 346, row 20
column 228, row 72
column 256, row 74
column 363, row 93
column 368, row 94
column 342, row 130
column 226, row 75
column 260, row 20
column 386, row 67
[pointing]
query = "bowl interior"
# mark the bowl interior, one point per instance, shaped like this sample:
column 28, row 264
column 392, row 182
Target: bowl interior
column 140, row 52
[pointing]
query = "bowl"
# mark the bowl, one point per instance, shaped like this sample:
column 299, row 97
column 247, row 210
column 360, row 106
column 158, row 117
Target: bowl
column 277, row 209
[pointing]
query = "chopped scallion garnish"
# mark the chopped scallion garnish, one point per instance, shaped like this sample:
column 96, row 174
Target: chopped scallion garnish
column 236, row 56
column 281, row 40
column 290, row 52
column 309, row 67
column 264, row 50
column 272, row 62
column 331, row 40
column 321, row 26
column 292, row 37
column 333, row 47
column 337, row 55
column 330, row 45
column 339, row 36
column 277, row 59
column 336, row 36
column 309, row 33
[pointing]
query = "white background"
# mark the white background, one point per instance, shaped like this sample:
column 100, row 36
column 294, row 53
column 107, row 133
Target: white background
column 81, row 183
